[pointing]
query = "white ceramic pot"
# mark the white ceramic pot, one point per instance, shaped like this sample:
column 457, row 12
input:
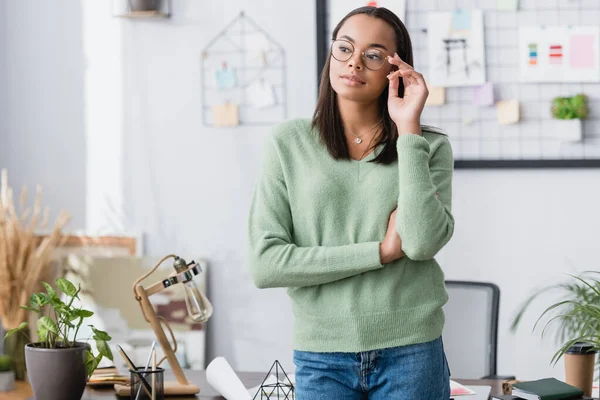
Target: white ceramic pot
column 567, row 130
column 7, row 381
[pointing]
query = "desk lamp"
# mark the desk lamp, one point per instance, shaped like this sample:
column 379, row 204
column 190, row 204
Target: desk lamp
column 199, row 310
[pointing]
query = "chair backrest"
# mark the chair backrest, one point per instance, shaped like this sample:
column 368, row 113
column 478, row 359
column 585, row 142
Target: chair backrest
column 471, row 330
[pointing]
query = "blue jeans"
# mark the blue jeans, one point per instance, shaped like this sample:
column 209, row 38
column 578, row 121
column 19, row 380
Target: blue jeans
column 413, row 372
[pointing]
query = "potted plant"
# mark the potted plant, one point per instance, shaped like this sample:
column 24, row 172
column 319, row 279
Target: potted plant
column 7, row 375
column 26, row 258
column 576, row 315
column 59, row 365
column 569, row 111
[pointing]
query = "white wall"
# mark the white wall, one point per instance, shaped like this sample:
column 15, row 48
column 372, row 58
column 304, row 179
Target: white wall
column 189, row 187
column 524, row 230
column 43, row 99
column 3, row 97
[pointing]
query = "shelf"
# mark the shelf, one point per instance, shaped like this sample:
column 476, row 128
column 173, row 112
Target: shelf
column 144, row 14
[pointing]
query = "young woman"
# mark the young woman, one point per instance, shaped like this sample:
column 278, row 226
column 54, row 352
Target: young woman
column 348, row 213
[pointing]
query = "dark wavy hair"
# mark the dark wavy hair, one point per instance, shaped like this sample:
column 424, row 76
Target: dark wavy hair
column 326, row 118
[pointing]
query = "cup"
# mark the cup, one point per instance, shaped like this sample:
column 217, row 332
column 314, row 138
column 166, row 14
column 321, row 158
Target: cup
column 147, row 384
column 579, row 365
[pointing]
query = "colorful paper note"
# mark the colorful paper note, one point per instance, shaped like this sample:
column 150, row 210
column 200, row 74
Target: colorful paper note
column 484, row 95
column 437, row 96
column 226, row 78
column 582, row 51
column 559, row 53
column 507, row 5
column 508, row 112
column 226, row 115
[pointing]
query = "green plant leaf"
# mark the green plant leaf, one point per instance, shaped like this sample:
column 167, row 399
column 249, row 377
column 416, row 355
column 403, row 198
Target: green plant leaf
column 15, row 330
column 66, row 287
column 38, row 300
column 46, row 324
column 104, row 349
column 100, row 335
column 90, row 363
column 85, row 313
column 51, row 293
column 37, row 310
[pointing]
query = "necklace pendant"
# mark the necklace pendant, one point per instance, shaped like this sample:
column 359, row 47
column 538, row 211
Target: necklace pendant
column 358, row 140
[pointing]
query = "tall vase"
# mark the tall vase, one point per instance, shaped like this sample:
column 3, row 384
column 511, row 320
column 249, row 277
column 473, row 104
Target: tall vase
column 14, row 346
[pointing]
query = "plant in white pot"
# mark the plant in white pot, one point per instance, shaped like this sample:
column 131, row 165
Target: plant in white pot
column 568, row 113
column 59, row 365
column 577, row 319
column 7, row 375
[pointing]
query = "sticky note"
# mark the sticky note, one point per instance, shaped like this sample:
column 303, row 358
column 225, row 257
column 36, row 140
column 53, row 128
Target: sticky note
column 226, row 78
column 225, row 115
column 484, row 95
column 461, row 20
column 507, row 5
column 508, row 112
column 437, row 96
column 582, row 51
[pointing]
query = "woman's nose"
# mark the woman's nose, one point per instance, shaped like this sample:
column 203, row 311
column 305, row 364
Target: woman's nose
column 356, row 60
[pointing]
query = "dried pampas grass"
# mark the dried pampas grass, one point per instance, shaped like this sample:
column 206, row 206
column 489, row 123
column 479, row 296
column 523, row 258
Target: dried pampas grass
column 24, row 257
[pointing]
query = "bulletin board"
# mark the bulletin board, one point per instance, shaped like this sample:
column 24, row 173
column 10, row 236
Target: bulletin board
column 478, row 139
column 243, row 77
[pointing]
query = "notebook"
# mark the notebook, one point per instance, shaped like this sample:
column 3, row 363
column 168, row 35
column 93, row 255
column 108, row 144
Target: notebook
column 546, row 389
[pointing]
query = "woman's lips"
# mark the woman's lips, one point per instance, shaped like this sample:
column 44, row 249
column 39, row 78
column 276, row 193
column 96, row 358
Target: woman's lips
column 352, row 80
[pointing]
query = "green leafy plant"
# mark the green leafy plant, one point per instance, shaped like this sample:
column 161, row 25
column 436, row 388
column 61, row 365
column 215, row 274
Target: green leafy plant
column 59, row 322
column 574, row 107
column 577, row 314
column 5, row 364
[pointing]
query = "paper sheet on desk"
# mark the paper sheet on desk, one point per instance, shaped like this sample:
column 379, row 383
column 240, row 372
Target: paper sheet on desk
column 223, row 379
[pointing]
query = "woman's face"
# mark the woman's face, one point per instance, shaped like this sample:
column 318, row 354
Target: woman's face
column 356, row 78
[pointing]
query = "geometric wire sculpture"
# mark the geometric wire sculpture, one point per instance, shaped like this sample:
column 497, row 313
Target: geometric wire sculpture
column 282, row 388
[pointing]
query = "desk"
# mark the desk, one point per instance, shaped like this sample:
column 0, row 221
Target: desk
column 250, row 379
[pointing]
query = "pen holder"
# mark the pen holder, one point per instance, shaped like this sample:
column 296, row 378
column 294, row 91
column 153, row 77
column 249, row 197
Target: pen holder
column 147, row 384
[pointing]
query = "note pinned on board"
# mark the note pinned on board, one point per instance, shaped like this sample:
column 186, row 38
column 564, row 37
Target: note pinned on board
column 508, row 112
column 260, row 94
column 225, row 78
column 582, row 51
column 226, row 115
column 507, row 5
column 461, row 20
column 484, row 95
column 437, row 96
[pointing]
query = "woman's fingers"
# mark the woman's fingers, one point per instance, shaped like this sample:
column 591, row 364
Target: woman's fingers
column 408, row 76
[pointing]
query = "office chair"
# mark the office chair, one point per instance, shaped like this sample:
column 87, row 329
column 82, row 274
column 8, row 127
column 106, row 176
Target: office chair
column 470, row 334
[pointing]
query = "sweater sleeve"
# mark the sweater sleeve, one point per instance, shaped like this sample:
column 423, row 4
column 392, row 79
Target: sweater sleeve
column 274, row 259
column 424, row 220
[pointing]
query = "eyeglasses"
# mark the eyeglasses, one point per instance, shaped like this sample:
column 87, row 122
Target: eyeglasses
column 342, row 51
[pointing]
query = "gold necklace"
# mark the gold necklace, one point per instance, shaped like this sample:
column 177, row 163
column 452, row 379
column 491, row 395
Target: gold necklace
column 358, row 139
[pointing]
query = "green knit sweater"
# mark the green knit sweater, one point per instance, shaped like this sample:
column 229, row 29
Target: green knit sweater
column 314, row 227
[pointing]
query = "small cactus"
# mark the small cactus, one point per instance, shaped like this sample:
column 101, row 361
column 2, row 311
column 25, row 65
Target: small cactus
column 5, row 364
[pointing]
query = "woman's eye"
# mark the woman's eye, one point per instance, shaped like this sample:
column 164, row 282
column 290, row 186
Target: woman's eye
column 374, row 56
column 344, row 49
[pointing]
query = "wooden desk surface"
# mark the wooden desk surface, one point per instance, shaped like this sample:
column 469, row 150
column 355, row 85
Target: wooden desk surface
column 250, row 379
